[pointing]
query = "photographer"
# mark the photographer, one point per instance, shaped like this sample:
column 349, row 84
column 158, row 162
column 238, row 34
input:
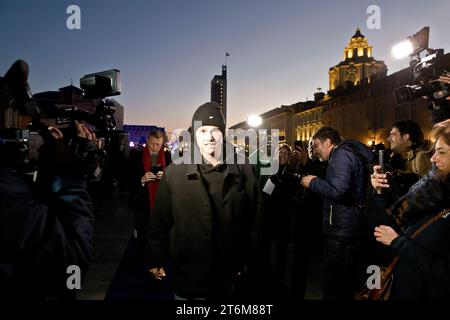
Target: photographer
column 440, row 111
column 46, row 224
column 410, row 159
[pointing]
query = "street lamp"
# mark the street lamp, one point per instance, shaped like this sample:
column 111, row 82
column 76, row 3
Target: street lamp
column 254, row 121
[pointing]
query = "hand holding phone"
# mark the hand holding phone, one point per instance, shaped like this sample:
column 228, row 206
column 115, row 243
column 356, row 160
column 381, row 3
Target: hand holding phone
column 381, row 161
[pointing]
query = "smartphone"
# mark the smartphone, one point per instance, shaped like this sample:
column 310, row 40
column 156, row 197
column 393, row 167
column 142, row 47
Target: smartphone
column 298, row 143
column 381, row 160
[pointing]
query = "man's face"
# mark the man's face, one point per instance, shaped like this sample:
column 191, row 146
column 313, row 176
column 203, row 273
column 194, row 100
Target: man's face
column 398, row 141
column 322, row 149
column 209, row 141
column 155, row 144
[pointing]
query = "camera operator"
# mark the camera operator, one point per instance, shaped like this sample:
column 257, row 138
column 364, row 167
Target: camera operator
column 46, row 224
column 440, row 111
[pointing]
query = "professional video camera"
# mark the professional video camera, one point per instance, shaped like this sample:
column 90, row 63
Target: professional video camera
column 21, row 146
column 425, row 75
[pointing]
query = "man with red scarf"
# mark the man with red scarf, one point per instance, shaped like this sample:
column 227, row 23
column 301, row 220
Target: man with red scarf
column 147, row 170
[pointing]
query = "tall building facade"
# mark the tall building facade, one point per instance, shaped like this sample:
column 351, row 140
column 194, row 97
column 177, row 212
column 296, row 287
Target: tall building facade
column 219, row 90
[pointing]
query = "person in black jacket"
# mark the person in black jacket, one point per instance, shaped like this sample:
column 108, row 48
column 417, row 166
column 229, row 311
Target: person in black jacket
column 278, row 210
column 44, row 229
column 343, row 191
column 212, row 211
column 308, row 206
column 423, row 268
column 146, row 171
column 46, row 221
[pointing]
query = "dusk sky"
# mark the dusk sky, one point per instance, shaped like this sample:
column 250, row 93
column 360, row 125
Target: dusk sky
column 168, row 51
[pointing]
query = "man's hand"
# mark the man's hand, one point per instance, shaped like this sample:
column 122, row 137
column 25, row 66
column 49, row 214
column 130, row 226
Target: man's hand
column 385, row 235
column 157, row 273
column 84, row 132
column 379, row 180
column 444, row 78
column 306, row 181
column 148, row 177
column 159, row 175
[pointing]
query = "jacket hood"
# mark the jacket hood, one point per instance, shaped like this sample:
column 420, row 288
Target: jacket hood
column 360, row 148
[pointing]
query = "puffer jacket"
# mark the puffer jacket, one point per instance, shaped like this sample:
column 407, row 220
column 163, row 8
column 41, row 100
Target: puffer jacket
column 343, row 189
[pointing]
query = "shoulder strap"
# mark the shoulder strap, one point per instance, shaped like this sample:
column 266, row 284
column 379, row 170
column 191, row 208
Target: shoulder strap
column 440, row 215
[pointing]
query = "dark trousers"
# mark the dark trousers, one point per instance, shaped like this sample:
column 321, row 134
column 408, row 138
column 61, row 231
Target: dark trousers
column 307, row 245
column 141, row 221
column 340, row 267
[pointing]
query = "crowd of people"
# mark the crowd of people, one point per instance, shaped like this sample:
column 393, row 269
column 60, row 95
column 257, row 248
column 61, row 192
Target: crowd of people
column 217, row 226
column 220, row 230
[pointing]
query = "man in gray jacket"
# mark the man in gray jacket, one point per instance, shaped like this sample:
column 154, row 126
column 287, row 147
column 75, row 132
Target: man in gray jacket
column 212, row 212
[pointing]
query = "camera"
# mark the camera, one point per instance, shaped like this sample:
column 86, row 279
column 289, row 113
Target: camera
column 425, row 73
column 297, row 176
column 20, row 147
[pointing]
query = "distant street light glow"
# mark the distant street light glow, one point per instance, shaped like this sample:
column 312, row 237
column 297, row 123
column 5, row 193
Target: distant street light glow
column 402, row 50
column 254, row 121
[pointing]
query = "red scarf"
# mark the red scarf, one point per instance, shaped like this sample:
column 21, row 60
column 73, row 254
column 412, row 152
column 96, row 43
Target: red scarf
column 147, row 161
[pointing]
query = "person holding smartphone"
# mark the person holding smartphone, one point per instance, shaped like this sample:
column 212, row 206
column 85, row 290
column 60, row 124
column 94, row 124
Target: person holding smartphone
column 147, row 170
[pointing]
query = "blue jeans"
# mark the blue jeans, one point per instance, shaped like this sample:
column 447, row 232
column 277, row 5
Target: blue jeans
column 341, row 258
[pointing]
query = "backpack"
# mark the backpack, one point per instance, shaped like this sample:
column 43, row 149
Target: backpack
column 366, row 203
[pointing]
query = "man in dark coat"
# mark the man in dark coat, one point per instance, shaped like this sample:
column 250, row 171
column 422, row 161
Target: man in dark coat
column 146, row 170
column 212, row 212
column 308, row 206
column 344, row 195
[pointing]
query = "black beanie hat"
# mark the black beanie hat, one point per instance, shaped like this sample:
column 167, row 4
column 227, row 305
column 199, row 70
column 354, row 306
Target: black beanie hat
column 210, row 115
